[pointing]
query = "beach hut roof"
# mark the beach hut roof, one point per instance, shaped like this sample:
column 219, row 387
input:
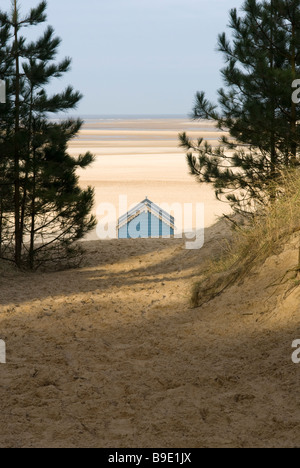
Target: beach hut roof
column 146, row 206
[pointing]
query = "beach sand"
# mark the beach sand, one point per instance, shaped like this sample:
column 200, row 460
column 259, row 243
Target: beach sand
column 139, row 158
column 112, row 355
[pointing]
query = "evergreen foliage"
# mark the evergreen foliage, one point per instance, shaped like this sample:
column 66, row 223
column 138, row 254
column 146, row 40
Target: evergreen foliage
column 43, row 211
column 262, row 60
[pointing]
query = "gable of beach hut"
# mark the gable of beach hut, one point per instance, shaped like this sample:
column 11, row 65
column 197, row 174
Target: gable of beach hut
column 146, row 220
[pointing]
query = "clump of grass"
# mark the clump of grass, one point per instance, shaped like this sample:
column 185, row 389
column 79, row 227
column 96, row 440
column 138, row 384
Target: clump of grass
column 254, row 242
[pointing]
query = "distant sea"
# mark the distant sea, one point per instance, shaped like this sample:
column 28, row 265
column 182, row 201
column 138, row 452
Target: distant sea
column 113, row 117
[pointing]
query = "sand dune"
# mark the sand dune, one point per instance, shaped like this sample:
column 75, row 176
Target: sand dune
column 111, row 355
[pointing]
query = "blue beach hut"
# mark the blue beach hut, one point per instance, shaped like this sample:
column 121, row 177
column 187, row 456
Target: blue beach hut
column 146, row 220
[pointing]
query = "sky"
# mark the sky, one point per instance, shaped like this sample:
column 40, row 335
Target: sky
column 138, row 56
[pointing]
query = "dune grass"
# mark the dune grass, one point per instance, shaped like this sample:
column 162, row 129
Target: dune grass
column 251, row 245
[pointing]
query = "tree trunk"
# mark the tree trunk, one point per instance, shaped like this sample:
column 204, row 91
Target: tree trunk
column 17, row 185
column 26, row 178
column 293, row 108
column 33, row 215
column 273, row 110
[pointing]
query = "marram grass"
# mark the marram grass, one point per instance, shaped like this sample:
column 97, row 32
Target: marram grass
column 252, row 245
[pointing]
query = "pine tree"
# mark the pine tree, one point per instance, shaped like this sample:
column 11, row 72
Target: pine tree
column 262, row 60
column 42, row 194
column 6, row 137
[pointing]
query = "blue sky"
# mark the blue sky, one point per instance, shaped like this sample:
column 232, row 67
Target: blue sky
column 139, row 56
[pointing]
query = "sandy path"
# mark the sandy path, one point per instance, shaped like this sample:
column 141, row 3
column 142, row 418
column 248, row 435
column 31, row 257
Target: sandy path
column 112, row 355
